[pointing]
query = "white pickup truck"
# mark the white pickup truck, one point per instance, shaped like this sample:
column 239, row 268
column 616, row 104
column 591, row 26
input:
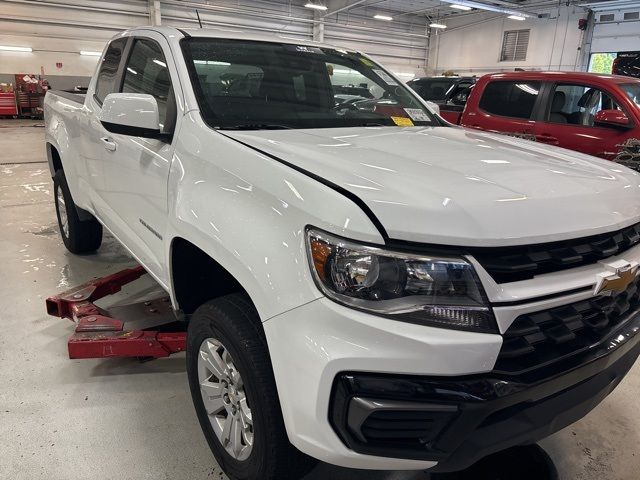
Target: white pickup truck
column 364, row 284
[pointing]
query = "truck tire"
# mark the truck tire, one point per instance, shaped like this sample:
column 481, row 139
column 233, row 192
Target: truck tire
column 79, row 236
column 234, row 393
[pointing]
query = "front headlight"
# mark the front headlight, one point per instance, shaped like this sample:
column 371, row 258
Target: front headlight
column 437, row 291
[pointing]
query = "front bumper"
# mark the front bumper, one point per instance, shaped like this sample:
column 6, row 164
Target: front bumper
column 458, row 421
column 323, row 355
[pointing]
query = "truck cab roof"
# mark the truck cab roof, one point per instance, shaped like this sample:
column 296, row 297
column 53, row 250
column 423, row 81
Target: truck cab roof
column 595, row 78
column 227, row 33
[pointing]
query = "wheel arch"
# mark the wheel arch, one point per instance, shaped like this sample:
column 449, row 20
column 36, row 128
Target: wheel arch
column 197, row 277
column 53, row 158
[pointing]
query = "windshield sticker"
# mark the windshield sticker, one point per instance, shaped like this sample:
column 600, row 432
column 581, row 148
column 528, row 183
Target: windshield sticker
column 385, row 76
column 417, row 115
column 367, row 62
column 402, row 121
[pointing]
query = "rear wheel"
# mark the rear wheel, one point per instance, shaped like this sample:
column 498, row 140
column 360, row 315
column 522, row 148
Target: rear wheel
column 235, row 395
column 79, row 236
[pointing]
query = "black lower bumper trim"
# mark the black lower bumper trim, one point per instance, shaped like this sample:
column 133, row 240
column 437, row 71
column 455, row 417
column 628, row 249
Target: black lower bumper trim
column 457, row 421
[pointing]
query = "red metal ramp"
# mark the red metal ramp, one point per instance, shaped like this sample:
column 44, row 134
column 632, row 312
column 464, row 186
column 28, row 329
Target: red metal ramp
column 98, row 334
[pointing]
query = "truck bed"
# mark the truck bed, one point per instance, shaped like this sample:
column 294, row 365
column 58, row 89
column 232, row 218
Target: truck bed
column 73, row 96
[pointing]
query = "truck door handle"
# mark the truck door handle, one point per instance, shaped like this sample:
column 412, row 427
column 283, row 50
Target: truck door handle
column 546, row 138
column 109, row 144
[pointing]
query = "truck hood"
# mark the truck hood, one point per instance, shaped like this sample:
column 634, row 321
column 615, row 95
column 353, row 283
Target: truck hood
column 453, row 186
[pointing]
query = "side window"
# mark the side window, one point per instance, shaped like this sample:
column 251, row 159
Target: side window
column 108, row 73
column 578, row 104
column 147, row 72
column 510, row 99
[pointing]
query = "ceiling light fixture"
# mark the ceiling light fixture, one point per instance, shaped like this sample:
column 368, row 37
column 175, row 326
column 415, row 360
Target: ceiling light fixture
column 316, row 6
column 490, row 8
column 9, row 48
column 89, row 53
column 460, row 7
column 386, row 18
column 437, row 25
column 516, row 17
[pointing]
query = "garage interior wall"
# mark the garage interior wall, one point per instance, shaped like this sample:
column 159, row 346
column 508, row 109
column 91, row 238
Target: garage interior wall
column 472, row 44
column 57, row 31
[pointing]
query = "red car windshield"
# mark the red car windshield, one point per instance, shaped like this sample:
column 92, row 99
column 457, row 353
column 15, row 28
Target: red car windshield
column 633, row 91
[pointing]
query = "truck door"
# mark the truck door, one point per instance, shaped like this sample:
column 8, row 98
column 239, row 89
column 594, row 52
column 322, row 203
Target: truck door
column 505, row 106
column 137, row 169
column 105, row 82
column 568, row 120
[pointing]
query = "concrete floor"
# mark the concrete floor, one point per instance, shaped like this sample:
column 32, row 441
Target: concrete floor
column 103, row 419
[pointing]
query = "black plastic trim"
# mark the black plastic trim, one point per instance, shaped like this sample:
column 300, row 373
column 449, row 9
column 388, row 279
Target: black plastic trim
column 494, row 411
column 135, row 131
column 186, row 35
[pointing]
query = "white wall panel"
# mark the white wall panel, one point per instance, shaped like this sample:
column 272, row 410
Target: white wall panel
column 475, row 48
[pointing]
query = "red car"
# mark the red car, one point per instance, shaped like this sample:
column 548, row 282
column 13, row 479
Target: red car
column 589, row 113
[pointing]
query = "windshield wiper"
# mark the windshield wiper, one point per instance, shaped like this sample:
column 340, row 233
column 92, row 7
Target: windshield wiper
column 255, row 126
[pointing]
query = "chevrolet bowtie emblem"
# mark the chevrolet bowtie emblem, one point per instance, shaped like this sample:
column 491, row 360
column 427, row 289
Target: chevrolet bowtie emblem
column 618, row 277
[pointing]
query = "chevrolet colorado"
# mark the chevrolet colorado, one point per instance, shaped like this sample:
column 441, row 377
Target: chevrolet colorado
column 371, row 288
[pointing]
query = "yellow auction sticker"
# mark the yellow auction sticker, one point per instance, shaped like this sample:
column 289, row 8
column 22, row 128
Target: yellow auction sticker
column 402, row 121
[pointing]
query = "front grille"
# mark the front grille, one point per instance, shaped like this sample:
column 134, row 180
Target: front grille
column 403, row 429
column 511, row 264
column 540, row 338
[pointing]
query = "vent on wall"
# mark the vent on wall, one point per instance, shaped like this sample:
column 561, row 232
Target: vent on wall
column 514, row 46
column 607, row 17
column 632, row 16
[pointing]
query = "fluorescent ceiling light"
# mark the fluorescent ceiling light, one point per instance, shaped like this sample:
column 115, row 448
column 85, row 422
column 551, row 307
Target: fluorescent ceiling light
column 383, row 17
column 90, row 53
column 437, row 25
column 315, row 6
column 490, row 8
column 516, row 17
column 460, row 7
column 159, row 62
column 8, row 48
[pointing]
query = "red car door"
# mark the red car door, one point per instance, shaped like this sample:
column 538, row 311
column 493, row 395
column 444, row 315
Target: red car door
column 568, row 120
column 504, row 106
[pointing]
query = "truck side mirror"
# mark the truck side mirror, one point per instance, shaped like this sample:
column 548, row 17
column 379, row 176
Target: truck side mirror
column 612, row 118
column 134, row 114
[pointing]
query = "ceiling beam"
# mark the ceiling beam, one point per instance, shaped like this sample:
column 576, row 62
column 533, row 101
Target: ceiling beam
column 337, row 6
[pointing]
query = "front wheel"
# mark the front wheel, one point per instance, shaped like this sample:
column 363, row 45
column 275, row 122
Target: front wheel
column 234, row 393
column 79, row 236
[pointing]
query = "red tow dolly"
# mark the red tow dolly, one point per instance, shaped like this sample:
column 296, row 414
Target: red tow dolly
column 98, row 334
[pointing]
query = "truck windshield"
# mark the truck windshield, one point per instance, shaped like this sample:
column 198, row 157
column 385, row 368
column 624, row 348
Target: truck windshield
column 633, row 91
column 259, row 85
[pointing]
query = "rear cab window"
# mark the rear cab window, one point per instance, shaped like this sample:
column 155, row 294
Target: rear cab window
column 516, row 99
column 106, row 81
